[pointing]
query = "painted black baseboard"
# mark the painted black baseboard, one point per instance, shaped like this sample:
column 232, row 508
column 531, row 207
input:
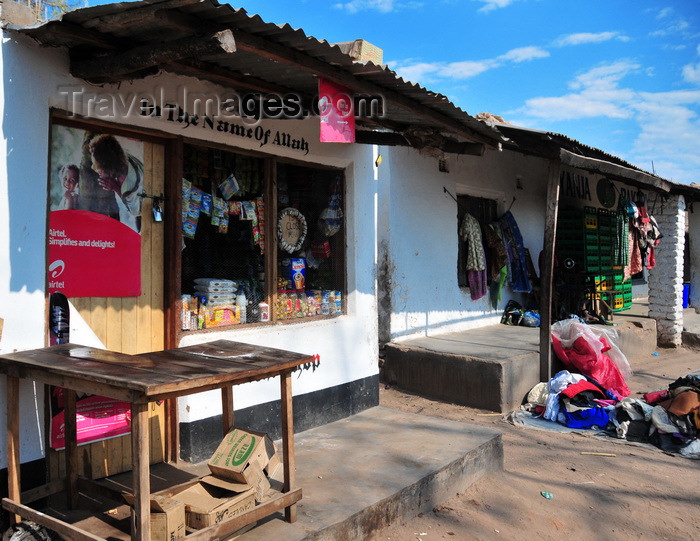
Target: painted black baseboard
column 199, row 439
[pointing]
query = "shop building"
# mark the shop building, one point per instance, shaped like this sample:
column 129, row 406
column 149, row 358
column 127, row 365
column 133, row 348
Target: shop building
column 217, row 194
column 228, row 203
column 568, row 252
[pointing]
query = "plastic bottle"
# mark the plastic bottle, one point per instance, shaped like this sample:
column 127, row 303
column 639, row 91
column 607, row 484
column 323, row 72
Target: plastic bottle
column 264, row 311
column 241, row 302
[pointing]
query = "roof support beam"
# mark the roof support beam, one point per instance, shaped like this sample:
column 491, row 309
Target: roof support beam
column 451, row 146
column 111, row 66
column 611, row 170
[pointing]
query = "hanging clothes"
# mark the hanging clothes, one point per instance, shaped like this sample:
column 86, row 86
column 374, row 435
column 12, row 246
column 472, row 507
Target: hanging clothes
column 520, row 280
column 495, row 252
column 470, row 232
column 621, row 253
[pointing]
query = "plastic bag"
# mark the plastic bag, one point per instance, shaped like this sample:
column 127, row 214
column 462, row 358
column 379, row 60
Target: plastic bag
column 589, row 351
column 530, row 319
column 568, row 330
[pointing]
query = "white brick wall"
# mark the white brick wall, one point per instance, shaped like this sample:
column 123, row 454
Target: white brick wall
column 666, row 278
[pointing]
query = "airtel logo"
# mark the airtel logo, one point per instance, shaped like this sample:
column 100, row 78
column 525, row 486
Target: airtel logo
column 56, row 268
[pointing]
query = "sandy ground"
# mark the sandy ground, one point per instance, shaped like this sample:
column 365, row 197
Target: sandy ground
column 640, row 493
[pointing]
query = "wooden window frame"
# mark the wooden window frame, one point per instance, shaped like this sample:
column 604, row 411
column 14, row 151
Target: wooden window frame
column 271, row 164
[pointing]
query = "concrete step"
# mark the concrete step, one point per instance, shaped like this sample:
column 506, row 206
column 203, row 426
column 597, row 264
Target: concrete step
column 490, row 368
column 493, row 367
column 378, row 468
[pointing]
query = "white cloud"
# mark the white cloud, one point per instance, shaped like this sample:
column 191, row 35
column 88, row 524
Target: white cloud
column 605, row 76
column 665, row 12
column 691, row 73
column 418, row 72
column 673, row 28
column 490, row 5
column 425, row 72
column 667, row 122
column 581, row 38
column 466, row 69
column 383, row 6
column 572, row 107
column 522, row 54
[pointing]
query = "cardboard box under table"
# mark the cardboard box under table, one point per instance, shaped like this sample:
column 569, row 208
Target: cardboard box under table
column 140, row 380
column 208, row 503
column 167, row 518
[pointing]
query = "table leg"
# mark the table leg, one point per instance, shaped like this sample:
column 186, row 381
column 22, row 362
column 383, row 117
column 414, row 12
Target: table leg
column 71, row 449
column 13, row 460
column 172, row 431
column 227, row 408
column 140, row 525
column 290, row 513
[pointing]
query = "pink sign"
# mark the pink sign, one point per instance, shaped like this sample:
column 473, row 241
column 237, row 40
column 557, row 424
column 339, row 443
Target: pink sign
column 98, row 418
column 92, row 255
column 336, row 109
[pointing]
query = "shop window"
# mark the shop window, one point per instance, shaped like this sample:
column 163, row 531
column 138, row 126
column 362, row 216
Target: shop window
column 485, row 211
column 233, row 271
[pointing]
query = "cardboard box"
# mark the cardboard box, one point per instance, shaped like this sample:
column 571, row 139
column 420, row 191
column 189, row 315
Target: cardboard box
column 207, row 504
column 238, row 449
column 167, row 517
column 256, row 480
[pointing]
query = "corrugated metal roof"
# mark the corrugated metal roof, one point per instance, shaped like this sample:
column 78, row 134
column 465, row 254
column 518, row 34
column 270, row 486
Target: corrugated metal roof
column 144, row 22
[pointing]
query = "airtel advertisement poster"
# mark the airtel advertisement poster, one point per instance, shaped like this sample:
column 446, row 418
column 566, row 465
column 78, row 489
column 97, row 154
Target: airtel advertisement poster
column 336, row 109
column 97, row 418
column 95, row 218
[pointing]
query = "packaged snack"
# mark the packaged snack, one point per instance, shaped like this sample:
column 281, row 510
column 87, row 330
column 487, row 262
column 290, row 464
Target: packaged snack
column 189, row 228
column 193, row 210
column 196, row 196
column 229, row 187
column 206, row 203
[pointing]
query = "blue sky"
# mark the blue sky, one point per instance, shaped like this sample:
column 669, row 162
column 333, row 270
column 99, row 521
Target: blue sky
column 619, row 75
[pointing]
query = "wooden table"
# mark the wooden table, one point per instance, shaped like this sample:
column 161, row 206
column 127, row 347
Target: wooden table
column 140, row 379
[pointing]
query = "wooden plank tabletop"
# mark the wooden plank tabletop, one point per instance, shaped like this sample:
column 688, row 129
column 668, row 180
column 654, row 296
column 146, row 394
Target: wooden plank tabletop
column 150, row 376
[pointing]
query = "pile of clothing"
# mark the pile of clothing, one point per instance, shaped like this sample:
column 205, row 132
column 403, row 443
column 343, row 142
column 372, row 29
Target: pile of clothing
column 592, row 393
column 668, row 419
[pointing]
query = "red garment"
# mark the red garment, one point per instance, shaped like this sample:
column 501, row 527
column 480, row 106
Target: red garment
column 654, row 397
column 582, row 358
column 575, row 388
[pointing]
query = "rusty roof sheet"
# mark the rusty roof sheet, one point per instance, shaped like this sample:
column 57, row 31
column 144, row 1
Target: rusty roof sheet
column 142, row 22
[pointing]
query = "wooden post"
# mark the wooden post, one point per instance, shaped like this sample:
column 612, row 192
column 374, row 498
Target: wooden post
column 227, row 408
column 13, row 458
column 547, row 270
column 140, row 525
column 172, row 274
column 290, row 513
column 71, row 443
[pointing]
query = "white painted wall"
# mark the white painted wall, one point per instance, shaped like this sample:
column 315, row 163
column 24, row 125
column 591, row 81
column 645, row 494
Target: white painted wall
column 36, row 79
column 422, row 234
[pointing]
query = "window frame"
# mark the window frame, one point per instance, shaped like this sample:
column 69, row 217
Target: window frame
column 270, row 186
